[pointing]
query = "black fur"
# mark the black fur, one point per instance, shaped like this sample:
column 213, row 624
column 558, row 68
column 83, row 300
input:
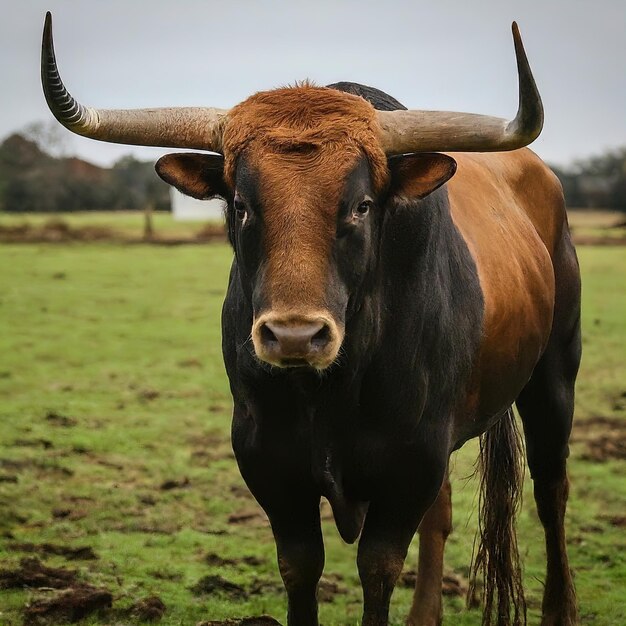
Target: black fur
column 377, row 98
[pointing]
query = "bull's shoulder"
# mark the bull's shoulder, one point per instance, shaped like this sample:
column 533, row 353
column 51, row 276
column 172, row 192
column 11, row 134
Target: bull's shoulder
column 507, row 189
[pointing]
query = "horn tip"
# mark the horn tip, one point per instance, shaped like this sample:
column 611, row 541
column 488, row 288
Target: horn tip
column 517, row 37
column 47, row 27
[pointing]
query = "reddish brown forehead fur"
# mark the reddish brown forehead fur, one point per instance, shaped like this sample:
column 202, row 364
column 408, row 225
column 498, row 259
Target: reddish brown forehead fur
column 305, row 119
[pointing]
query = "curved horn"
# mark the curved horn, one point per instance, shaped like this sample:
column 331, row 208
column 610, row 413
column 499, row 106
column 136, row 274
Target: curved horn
column 184, row 127
column 439, row 131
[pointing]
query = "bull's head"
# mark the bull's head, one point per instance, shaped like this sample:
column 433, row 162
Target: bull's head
column 307, row 173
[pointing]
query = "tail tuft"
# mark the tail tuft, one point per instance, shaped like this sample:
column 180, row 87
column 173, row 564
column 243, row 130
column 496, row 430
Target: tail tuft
column 501, row 464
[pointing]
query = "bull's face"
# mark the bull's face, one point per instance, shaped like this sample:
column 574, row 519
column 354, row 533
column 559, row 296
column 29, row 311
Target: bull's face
column 305, row 212
column 305, row 243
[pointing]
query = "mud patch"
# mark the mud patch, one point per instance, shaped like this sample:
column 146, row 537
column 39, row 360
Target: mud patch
column 173, row 576
column 46, row 444
column 147, row 395
column 33, row 573
column 58, row 419
column 175, row 484
column 81, row 553
column 71, row 605
column 40, row 467
column 72, row 515
column 452, row 584
column 329, row 587
column 217, row 561
column 252, row 517
column 210, row 585
column 150, row 609
column 603, row 438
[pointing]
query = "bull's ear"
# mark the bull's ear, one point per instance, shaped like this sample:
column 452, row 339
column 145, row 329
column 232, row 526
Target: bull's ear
column 416, row 175
column 200, row 176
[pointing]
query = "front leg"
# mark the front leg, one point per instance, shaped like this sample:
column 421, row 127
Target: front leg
column 390, row 525
column 300, row 550
column 433, row 531
column 276, row 468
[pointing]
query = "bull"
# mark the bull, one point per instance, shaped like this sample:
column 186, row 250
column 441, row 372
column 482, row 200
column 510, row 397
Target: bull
column 400, row 279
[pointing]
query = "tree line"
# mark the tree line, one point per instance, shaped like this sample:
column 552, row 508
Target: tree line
column 598, row 182
column 31, row 179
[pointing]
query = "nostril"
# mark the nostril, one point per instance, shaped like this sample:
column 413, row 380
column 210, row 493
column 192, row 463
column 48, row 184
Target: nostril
column 267, row 336
column 321, row 338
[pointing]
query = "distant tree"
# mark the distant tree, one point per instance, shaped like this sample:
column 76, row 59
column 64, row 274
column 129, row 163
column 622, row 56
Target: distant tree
column 596, row 182
column 33, row 180
column 49, row 136
column 139, row 185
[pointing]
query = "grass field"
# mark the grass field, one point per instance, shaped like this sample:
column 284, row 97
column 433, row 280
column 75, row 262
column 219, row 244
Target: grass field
column 114, row 422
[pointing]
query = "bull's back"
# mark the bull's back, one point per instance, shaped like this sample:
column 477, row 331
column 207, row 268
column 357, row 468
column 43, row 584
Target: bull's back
column 509, row 208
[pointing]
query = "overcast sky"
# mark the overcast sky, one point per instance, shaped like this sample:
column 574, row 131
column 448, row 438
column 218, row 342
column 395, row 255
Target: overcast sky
column 431, row 54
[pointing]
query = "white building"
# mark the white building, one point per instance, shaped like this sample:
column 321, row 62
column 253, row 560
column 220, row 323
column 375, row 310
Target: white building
column 190, row 209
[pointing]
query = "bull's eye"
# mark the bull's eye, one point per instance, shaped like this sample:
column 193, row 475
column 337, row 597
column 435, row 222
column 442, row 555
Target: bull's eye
column 362, row 209
column 240, row 209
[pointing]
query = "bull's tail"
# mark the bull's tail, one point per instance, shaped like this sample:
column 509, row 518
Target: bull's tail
column 501, row 464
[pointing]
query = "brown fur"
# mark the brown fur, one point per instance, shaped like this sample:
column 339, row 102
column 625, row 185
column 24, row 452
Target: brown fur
column 305, row 120
column 327, row 131
column 436, row 525
column 508, row 209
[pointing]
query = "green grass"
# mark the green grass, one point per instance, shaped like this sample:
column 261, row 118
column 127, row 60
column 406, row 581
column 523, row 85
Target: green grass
column 125, row 341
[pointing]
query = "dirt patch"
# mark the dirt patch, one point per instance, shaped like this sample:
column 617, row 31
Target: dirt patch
column 210, row 446
column 8, row 478
column 147, row 395
column 615, row 520
column 150, row 609
column 82, row 553
column 210, row 585
column 41, row 467
column 261, row 620
column 46, row 444
column 240, row 491
column 329, row 587
column 217, row 561
column 159, row 575
column 72, row 515
column 603, row 438
column 175, row 484
column 452, row 584
column 252, row 517
column 58, row 419
column 71, row 605
column 216, row 585
column 32, row 573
